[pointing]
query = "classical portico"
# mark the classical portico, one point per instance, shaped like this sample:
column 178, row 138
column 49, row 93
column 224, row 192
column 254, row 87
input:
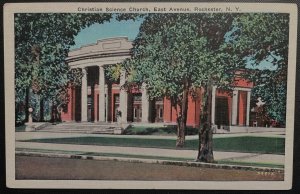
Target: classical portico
column 95, row 92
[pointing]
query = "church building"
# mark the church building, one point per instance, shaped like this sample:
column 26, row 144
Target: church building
column 96, row 100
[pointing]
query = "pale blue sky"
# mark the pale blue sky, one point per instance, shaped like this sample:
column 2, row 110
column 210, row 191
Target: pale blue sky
column 130, row 29
column 107, row 30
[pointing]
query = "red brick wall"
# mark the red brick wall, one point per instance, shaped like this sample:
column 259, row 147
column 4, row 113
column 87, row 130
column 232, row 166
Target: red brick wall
column 242, row 106
column 167, row 111
column 67, row 115
column 240, row 82
column 192, row 115
column 194, row 105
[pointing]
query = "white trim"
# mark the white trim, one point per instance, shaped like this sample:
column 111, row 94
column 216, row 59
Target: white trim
column 99, row 61
column 101, row 105
column 145, row 104
column 248, row 108
column 84, row 94
column 242, row 89
column 234, row 107
column 123, row 98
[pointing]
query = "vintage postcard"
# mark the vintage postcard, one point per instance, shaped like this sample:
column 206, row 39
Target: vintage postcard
column 150, row 95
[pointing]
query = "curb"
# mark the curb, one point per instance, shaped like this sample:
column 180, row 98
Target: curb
column 151, row 161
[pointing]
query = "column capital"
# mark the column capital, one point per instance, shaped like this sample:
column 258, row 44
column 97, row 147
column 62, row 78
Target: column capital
column 84, row 69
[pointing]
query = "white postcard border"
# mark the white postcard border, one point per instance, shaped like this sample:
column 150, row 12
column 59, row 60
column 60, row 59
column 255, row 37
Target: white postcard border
column 10, row 9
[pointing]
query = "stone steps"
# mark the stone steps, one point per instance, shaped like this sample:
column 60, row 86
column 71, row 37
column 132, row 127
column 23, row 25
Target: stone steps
column 78, row 126
column 80, row 131
column 90, row 128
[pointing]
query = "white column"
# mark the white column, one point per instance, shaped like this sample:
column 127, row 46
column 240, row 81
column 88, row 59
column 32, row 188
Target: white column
column 234, row 109
column 101, row 94
column 106, row 102
column 213, row 104
column 123, row 98
column 84, row 91
column 145, row 105
column 248, row 108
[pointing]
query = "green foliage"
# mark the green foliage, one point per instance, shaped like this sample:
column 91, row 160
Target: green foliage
column 113, row 72
column 42, row 42
column 274, row 97
column 259, row 38
column 175, row 52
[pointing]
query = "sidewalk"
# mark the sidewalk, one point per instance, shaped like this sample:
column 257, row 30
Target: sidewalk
column 137, row 151
column 42, row 135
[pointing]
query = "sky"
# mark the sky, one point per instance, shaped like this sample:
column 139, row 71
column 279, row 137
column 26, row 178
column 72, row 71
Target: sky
column 130, row 29
column 110, row 29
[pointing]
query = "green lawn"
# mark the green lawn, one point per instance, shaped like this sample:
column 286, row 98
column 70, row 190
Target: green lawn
column 20, row 128
column 233, row 144
column 167, row 130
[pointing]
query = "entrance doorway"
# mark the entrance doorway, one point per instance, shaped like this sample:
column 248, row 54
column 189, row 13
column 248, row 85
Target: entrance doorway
column 137, row 113
column 77, row 108
column 116, row 106
column 137, row 107
column 221, row 113
column 159, row 108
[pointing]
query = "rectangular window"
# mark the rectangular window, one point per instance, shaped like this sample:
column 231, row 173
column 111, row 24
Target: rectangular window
column 160, row 112
column 135, row 112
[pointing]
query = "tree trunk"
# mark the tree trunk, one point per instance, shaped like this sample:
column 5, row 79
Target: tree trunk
column 181, row 120
column 41, row 109
column 205, row 149
column 58, row 111
column 27, row 104
column 54, row 116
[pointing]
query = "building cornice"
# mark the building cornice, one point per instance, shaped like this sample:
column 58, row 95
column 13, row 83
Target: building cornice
column 96, row 56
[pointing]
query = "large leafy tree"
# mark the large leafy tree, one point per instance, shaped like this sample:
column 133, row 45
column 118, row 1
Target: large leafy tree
column 42, row 42
column 261, row 41
column 175, row 55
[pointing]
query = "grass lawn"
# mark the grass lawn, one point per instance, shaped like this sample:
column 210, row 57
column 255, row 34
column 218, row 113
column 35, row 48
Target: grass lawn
column 167, row 130
column 20, row 128
column 265, row 145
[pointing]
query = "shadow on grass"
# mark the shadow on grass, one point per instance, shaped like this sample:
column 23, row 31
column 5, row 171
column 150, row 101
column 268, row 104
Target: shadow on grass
column 168, row 130
column 20, row 128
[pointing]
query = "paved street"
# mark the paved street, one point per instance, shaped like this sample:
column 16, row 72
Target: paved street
column 44, row 168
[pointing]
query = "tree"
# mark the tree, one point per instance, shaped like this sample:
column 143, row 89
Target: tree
column 180, row 54
column 261, row 41
column 42, row 42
